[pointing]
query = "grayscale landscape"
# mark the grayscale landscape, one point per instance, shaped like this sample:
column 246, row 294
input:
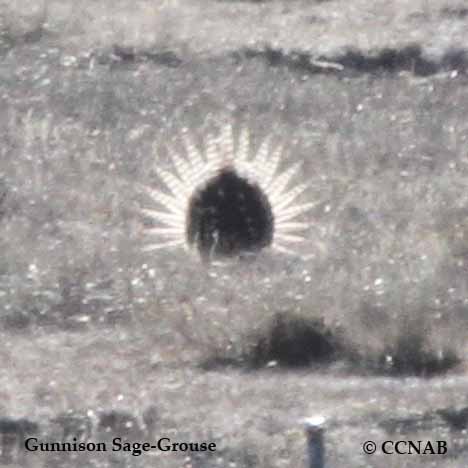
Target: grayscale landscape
column 366, row 324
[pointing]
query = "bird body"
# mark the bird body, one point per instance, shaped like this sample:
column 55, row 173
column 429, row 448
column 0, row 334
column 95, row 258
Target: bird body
column 221, row 202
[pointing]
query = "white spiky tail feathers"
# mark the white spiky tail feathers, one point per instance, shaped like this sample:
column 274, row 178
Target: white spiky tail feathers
column 196, row 168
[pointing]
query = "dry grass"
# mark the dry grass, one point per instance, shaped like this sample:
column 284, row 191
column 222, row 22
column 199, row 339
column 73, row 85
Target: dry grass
column 384, row 246
column 380, row 287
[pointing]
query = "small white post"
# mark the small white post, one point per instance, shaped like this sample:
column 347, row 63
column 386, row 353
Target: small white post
column 314, row 429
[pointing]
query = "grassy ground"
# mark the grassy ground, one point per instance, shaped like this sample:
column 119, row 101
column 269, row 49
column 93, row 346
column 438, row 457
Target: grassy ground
column 366, row 325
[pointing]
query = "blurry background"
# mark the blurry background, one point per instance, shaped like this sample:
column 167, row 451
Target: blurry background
column 366, row 325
